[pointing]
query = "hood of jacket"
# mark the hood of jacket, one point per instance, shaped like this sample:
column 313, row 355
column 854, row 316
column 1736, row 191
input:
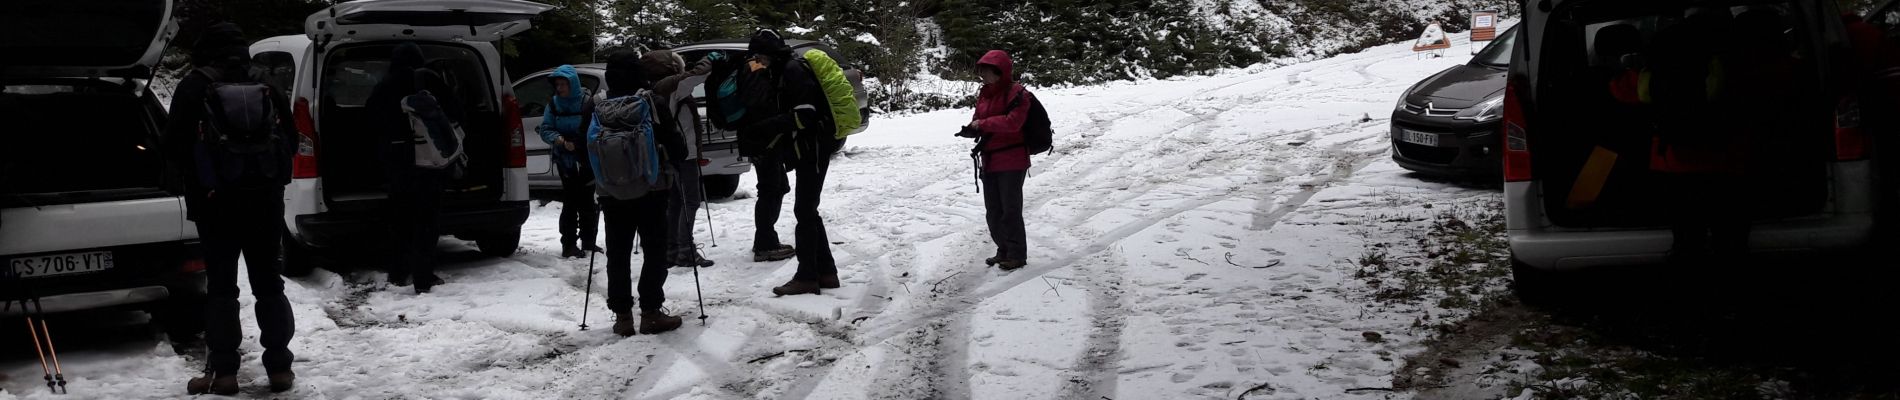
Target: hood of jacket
column 571, row 103
column 1000, row 60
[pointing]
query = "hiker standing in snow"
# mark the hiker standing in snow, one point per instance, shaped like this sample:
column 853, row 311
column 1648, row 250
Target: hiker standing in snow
column 564, row 126
column 676, row 107
column 1002, row 106
column 236, row 212
column 645, row 213
column 414, row 192
column 798, row 132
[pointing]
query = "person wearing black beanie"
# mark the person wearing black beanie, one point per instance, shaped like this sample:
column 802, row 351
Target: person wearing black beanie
column 798, row 134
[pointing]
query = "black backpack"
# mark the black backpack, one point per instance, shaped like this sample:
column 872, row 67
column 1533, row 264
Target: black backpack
column 1038, row 136
column 242, row 140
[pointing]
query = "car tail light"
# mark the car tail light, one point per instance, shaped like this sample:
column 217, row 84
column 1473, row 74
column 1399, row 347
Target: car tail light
column 304, row 164
column 517, row 138
column 192, row 266
column 1850, row 141
column 704, row 162
column 1517, row 149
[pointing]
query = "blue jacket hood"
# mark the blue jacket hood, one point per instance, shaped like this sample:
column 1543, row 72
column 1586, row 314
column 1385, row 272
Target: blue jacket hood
column 570, row 103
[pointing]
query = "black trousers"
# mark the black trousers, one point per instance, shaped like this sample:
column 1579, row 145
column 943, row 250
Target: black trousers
column 773, row 186
column 580, row 218
column 249, row 223
column 414, row 204
column 646, row 217
column 814, row 244
column 1710, row 216
column 1003, row 206
column 681, row 207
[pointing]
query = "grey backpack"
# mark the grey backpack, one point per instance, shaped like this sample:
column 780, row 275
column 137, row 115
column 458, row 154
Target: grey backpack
column 627, row 156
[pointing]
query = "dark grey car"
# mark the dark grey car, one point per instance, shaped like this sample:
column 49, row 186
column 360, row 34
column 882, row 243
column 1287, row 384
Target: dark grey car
column 1447, row 124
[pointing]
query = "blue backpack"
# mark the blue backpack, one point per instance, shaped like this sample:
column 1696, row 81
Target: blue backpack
column 627, row 158
column 242, row 143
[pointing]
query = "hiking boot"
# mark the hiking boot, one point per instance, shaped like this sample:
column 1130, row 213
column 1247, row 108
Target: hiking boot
column 828, row 282
column 796, row 287
column 568, row 250
column 782, row 253
column 656, row 321
column 282, row 381
column 589, row 247
column 992, row 261
column 427, row 283
column 624, row 324
column 693, row 260
column 218, row 384
column 1012, row 265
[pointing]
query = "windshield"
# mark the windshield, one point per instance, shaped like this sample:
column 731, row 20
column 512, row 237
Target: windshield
column 1498, row 54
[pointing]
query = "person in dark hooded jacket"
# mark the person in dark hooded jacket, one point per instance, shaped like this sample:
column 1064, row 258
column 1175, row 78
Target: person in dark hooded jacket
column 799, row 132
column 676, row 106
column 414, row 192
column 233, row 221
column 644, row 216
column 564, row 126
column 1002, row 106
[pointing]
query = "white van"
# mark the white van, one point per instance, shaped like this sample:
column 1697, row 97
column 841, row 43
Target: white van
column 336, row 199
column 90, row 215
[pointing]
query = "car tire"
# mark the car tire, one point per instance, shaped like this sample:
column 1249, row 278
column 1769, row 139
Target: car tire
column 298, row 260
column 500, row 245
column 1537, row 287
column 720, row 186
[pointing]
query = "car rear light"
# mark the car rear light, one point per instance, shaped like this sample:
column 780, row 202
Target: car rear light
column 192, row 266
column 517, row 138
column 1850, row 141
column 1517, row 149
column 704, row 162
column 304, row 164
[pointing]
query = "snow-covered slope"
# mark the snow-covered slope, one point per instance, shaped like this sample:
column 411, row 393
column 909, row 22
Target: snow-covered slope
column 1189, row 240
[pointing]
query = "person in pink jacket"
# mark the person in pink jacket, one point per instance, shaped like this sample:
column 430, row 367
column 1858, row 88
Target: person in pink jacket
column 1002, row 106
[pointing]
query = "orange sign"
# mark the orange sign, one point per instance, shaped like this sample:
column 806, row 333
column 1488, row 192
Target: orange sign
column 1432, row 39
column 1484, row 26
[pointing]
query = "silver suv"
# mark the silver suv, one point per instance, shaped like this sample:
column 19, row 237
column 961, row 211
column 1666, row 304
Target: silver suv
column 90, row 216
column 719, row 147
column 1810, row 188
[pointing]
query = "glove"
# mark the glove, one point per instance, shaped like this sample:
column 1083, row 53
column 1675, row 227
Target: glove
column 968, row 132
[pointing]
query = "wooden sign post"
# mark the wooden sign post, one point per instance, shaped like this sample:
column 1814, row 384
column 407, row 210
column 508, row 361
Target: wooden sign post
column 1484, row 28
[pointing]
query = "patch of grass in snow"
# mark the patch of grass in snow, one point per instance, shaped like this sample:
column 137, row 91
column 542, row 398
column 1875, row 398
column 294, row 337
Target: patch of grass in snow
column 1455, row 261
column 1576, row 363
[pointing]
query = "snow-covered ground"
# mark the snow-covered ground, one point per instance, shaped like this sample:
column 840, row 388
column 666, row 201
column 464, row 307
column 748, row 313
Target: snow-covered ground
column 1189, row 239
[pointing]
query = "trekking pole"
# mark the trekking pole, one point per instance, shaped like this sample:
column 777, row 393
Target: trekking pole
column 711, row 234
column 58, row 374
column 700, row 293
column 35, row 333
column 589, row 297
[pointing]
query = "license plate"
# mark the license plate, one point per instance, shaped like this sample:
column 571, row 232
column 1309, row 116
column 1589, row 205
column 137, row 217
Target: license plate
column 1420, row 138
column 61, row 264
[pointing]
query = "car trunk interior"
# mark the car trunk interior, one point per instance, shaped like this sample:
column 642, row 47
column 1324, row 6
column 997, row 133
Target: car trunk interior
column 78, row 142
column 350, row 146
column 1788, row 136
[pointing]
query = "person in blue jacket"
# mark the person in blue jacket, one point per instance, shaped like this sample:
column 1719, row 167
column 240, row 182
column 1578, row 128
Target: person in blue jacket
column 564, row 126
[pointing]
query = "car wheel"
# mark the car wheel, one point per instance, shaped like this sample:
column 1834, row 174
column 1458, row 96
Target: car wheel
column 1535, row 286
column 501, row 245
column 298, row 260
column 720, row 186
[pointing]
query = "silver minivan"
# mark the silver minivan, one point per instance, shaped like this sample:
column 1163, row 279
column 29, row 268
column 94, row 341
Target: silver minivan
column 1810, row 189
column 91, row 215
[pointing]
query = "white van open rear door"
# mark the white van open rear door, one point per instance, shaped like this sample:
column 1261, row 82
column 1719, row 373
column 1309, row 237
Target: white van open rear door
column 84, row 38
column 445, row 20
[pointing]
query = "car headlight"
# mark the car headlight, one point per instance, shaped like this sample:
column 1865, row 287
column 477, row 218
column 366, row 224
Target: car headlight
column 1489, row 110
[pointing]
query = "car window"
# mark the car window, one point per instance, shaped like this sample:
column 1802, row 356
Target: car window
column 278, row 69
column 534, row 93
column 351, row 73
column 1498, row 53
